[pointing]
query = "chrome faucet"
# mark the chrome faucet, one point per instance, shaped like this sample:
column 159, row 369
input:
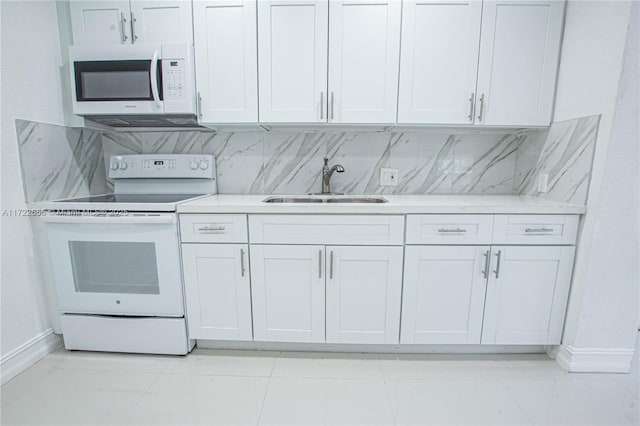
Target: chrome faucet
column 327, row 173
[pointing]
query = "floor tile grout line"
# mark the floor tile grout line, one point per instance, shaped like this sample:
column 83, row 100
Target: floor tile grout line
column 513, row 398
column 264, row 398
column 386, row 392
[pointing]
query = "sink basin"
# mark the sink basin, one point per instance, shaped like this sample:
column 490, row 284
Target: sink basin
column 292, row 200
column 363, row 200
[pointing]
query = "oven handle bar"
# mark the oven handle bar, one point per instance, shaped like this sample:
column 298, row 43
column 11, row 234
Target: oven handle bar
column 119, row 220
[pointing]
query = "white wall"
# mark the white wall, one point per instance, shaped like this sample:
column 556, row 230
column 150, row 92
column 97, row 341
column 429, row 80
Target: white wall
column 603, row 305
column 30, row 89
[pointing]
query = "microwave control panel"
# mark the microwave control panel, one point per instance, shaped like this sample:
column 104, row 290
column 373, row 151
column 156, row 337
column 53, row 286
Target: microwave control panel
column 173, row 79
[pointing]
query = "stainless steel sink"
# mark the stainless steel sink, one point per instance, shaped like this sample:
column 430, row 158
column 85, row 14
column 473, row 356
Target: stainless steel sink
column 292, row 200
column 363, row 200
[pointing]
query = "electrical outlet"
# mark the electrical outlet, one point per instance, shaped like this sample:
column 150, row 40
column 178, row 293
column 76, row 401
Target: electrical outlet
column 388, row 177
column 543, row 182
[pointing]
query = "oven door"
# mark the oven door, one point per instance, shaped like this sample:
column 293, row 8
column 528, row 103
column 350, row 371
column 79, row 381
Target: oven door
column 126, row 265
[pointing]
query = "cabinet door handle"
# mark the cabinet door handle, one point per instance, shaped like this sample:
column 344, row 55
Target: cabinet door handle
column 481, row 107
column 448, row 231
column 485, row 271
column 331, row 265
column 472, row 104
column 123, row 27
column 321, row 105
column 497, row 271
column 242, row 269
column 134, row 37
column 319, row 263
column 537, row 230
column 199, row 105
column 332, row 105
column 207, row 229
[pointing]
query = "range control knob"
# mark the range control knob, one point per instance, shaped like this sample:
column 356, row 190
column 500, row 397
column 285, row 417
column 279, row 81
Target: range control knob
column 123, row 165
column 193, row 165
column 114, row 165
column 204, row 165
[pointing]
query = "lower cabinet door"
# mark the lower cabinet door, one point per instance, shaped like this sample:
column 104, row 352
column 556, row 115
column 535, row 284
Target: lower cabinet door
column 527, row 294
column 364, row 286
column 217, row 291
column 443, row 295
column 288, row 284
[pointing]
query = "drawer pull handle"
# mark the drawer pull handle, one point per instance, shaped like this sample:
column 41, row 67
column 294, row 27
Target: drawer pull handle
column 331, row 266
column 207, row 229
column 537, row 230
column 457, row 230
column 320, row 264
column 497, row 271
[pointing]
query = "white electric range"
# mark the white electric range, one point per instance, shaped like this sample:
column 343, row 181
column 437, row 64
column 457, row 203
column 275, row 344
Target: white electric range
column 116, row 257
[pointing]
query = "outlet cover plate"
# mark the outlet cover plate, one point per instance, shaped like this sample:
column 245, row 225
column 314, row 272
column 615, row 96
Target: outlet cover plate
column 388, row 177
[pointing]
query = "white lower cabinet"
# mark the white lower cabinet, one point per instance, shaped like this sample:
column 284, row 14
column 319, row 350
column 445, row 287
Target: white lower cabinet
column 363, row 294
column 444, row 290
column 507, row 295
column 288, row 293
column 362, row 287
column 527, row 294
column 217, row 291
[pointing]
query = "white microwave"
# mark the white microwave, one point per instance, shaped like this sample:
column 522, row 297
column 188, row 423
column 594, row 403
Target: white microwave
column 134, row 86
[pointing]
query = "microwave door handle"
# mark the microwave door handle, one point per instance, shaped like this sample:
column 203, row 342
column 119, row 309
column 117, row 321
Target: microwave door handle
column 153, row 71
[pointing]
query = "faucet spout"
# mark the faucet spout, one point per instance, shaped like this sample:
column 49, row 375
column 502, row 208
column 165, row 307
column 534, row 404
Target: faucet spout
column 327, row 173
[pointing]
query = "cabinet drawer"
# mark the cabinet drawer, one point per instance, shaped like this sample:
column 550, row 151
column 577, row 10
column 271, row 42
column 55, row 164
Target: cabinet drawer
column 535, row 229
column 449, row 229
column 213, row 228
column 326, row 229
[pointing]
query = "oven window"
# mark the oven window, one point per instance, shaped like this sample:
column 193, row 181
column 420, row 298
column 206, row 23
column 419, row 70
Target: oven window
column 114, row 267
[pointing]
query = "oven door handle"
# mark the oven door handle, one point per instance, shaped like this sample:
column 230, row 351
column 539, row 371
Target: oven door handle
column 153, row 76
column 113, row 220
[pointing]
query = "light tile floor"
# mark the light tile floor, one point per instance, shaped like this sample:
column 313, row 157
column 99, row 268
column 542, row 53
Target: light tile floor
column 286, row 388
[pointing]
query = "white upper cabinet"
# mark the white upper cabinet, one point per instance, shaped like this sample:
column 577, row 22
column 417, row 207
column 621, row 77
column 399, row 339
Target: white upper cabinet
column 363, row 294
column 486, row 63
column 440, row 42
column 527, row 295
column 137, row 21
column 292, row 49
column 519, row 53
column 226, row 60
column 364, row 51
column 162, row 21
column 100, row 22
column 444, row 290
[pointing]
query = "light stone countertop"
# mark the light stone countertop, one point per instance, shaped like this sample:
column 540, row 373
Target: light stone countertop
column 397, row 204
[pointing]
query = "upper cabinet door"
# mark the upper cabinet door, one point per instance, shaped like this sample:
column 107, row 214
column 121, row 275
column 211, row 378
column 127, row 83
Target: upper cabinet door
column 519, row 50
column 440, row 41
column 363, row 294
column 161, row 21
column 292, row 49
column 364, row 51
column 527, row 295
column 226, row 60
column 100, row 22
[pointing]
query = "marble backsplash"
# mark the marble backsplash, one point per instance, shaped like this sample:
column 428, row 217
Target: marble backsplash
column 59, row 162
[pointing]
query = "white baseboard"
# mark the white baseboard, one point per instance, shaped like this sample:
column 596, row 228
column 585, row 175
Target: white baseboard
column 24, row 356
column 592, row 360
